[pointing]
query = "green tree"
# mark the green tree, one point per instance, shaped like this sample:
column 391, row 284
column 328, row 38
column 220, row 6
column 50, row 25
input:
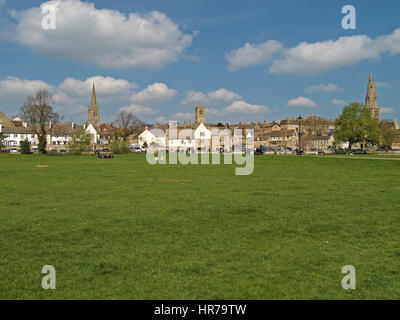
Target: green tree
column 80, row 142
column 2, row 137
column 38, row 113
column 388, row 133
column 25, row 147
column 356, row 125
column 120, row 146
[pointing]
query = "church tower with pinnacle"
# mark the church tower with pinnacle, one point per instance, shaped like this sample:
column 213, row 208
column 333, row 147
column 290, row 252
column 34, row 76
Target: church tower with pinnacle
column 371, row 102
column 94, row 111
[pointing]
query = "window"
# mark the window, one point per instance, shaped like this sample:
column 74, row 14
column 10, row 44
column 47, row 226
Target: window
column 202, row 134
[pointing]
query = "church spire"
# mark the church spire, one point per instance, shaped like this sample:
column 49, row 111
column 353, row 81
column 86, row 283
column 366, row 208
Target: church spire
column 93, row 96
column 371, row 101
column 94, row 111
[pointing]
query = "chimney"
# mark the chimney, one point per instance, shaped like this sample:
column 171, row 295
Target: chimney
column 146, row 128
column 73, row 126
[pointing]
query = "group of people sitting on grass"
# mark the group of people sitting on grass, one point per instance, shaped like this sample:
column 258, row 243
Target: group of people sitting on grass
column 105, row 155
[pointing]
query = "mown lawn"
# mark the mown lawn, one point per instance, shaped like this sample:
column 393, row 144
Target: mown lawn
column 122, row 229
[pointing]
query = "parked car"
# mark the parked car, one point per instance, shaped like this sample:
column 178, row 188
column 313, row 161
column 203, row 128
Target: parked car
column 321, row 152
column 138, row 149
column 13, row 150
column 62, row 151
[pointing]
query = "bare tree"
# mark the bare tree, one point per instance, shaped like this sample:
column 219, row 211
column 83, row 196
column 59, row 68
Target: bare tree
column 38, row 113
column 388, row 133
column 125, row 122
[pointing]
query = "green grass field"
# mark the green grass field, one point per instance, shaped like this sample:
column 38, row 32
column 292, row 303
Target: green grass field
column 122, row 229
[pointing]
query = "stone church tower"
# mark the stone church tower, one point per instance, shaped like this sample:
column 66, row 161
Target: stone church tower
column 200, row 115
column 371, row 101
column 94, row 111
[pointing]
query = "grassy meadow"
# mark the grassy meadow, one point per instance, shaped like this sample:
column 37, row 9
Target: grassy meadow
column 122, row 229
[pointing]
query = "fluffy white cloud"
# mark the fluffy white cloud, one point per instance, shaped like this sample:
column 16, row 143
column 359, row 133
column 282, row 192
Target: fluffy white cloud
column 317, row 57
column 241, row 107
column 324, row 88
column 71, row 97
column 16, row 89
column 224, row 95
column 103, row 37
column 339, row 103
column 155, row 94
column 107, row 88
column 252, row 54
column 183, row 116
column 387, row 110
column 195, row 98
column 140, row 110
column 301, row 102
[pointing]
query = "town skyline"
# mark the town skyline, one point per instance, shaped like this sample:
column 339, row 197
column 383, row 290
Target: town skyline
column 237, row 79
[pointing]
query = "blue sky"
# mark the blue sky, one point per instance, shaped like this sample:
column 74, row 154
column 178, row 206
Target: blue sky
column 245, row 60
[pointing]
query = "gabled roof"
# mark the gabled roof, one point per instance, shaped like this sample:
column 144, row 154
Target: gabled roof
column 5, row 121
column 17, row 130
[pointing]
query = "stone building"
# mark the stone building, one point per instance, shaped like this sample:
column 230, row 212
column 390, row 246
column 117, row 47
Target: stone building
column 94, row 112
column 371, row 101
column 200, row 115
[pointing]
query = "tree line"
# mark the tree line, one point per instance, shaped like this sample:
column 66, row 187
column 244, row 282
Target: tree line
column 38, row 112
column 355, row 125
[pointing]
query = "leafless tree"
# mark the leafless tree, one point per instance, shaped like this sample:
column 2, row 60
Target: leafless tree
column 125, row 122
column 39, row 114
column 388, row 133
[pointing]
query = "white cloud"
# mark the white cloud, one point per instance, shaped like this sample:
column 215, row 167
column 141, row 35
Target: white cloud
column 241, row 107
column 301, row 102
column 195, row 98
column 107, row 88
column 387, row 110
column 317, row 57
column 382, row 85
column 339, row 103
column 161, row 119
column 183, row 116
column 103, row 37
column 140, row 110
column 224, row 95
column 155, row 94
column 324, row 88
column 252, row 54
column 15, row 90
column 71, row 97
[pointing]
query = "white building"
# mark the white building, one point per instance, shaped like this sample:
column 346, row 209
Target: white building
column 152, row 137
